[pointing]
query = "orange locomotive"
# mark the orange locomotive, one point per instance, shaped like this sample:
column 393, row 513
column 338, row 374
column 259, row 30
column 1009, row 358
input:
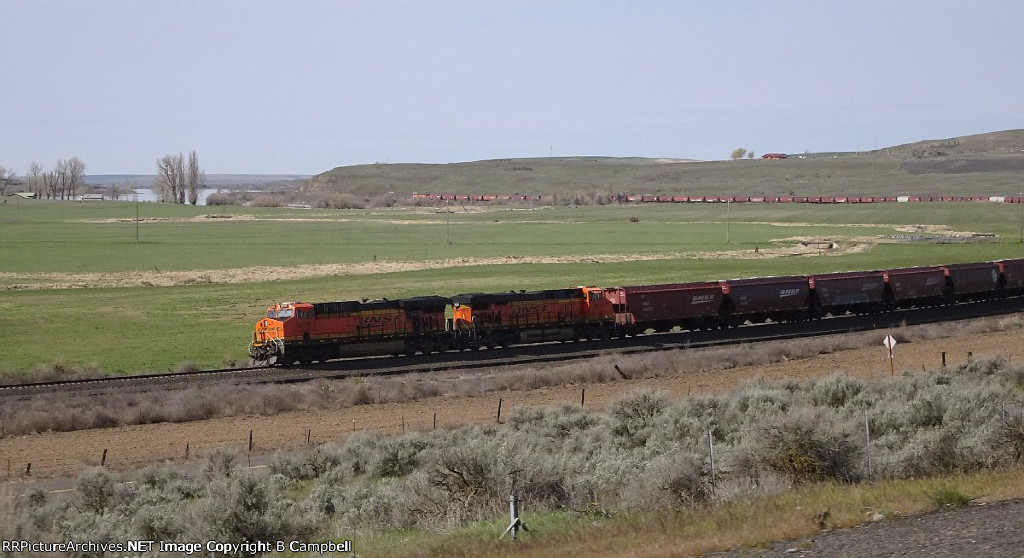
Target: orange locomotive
column 490, row 320
column 304, row 332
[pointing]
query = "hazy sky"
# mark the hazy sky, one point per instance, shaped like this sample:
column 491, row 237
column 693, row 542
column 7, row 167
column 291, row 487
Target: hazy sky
column 302, row 87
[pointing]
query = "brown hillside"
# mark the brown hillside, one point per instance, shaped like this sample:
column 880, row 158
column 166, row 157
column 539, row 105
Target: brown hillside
column 1006, row 142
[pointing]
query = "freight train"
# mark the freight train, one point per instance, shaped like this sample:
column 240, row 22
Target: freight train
column 301, row 332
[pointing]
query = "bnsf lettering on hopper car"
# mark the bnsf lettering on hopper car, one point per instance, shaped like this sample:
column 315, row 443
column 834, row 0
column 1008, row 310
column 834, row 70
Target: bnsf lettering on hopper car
column 702, row 299
column 788, row 293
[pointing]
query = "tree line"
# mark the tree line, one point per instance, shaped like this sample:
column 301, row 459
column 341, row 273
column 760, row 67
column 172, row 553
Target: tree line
column 63, row 182
column 177, row 180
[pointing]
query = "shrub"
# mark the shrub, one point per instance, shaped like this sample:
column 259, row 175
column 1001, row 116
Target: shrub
column 306, row 465
column 221, row 198
column 806, row 445
column 835, row 390
column 266, row 201
column 632, row 416
column 247, row 509
column 396, row 457
column 672, row 480
column 96, row 489
column 220, row 463
column 948, row 497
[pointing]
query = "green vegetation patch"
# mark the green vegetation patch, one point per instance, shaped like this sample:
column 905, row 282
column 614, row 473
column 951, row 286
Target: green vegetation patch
column 193, row 284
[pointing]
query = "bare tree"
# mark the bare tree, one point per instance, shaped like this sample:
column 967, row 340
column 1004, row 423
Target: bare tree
column 180, row 171
column 116, row 191
column 51, row 180
column 194, row 178
column 6, row 179
column 169, row 182
column 72, row 177
column 34, row 180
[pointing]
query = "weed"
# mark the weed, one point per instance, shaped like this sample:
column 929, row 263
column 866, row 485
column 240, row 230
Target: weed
column 948, row 497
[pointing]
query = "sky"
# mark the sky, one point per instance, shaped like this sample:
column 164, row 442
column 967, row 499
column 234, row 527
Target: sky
column 300, row 87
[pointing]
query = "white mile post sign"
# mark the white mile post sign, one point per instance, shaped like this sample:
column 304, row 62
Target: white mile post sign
column 889, row 343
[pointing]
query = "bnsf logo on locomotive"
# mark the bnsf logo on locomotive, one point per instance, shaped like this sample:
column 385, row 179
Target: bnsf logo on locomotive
column 524, row 310
column 378, row 320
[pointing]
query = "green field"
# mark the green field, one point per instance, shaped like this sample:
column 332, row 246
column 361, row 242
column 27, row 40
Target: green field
column 206, row 319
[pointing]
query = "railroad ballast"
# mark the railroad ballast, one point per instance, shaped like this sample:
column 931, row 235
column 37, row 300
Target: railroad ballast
column 305, row 332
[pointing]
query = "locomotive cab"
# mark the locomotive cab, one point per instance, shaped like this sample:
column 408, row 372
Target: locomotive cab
column 285, row 321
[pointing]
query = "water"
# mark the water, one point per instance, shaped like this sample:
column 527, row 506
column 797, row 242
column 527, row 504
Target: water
column 148, row 195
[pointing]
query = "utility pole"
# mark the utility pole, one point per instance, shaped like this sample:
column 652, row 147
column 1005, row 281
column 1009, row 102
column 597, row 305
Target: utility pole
column 728, row 219
column 448, row 223
column 1020, row 202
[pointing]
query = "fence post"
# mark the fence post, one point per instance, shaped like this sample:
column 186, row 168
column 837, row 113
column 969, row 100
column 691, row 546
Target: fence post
column 943, row 360
column 103, row 460
column 583, row 397
column 515, row 523
column 711, row 447
column 867, row 435
column 435, row 420
column 499, row 411
column 188, row 450
column 250, row 441
column 28, row 470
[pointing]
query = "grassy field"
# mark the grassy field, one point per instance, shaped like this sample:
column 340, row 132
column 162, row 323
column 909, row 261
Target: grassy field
column 129, row 317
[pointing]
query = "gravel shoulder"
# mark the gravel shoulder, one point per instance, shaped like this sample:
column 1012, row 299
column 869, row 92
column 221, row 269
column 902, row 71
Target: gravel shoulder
column 994, row 530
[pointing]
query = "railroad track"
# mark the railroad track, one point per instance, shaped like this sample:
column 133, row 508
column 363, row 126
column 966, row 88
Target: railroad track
column 518, row 355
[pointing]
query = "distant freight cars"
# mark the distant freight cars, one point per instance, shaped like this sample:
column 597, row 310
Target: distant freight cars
column 304, row 332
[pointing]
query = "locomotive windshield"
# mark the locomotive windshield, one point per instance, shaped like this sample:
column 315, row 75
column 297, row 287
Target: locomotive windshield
column 280, row 314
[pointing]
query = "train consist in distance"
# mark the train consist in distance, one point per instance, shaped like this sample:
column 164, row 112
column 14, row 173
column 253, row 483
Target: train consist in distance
column 301, row 332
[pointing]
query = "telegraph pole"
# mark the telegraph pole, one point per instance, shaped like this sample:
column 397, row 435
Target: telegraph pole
column 728, row 219
column 1020, row 202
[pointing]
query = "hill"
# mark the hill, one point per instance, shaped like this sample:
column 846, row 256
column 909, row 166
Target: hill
column 983, row 164
column 1006, row 142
